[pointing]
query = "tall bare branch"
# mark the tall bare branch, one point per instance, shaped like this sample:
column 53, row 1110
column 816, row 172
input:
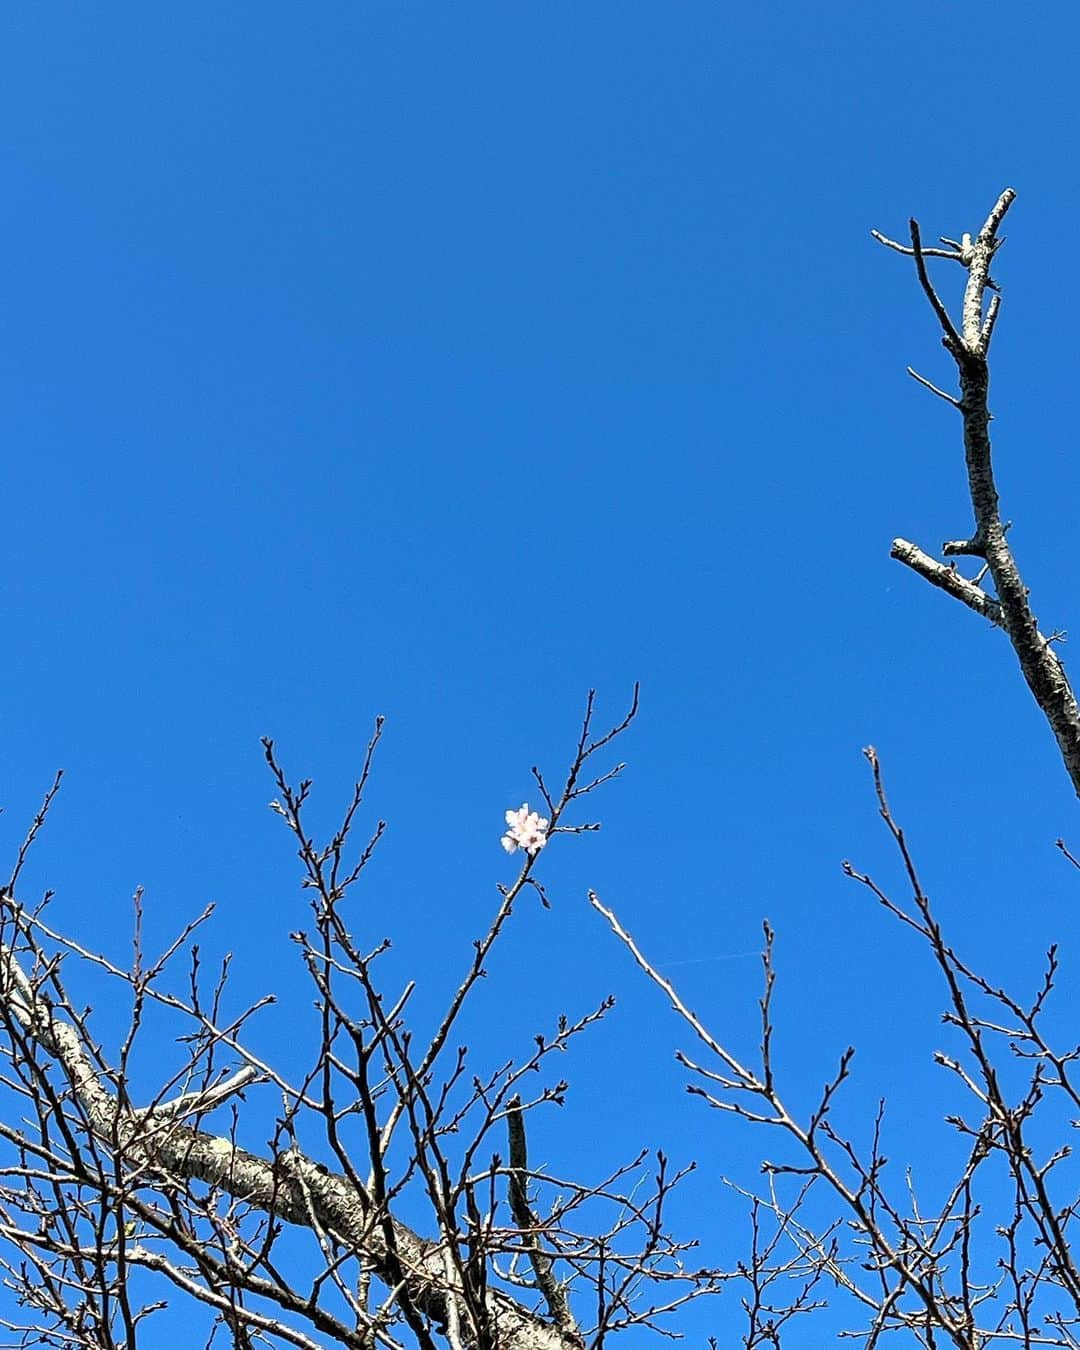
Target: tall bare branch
column 969, row 346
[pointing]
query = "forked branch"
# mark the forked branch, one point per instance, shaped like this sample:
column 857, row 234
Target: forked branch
column 1009, row 608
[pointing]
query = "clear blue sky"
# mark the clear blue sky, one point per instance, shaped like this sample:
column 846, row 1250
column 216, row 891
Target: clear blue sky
column 442, row 361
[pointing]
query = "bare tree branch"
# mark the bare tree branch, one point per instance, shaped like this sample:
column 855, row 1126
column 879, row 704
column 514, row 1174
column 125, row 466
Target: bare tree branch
column 969, row 347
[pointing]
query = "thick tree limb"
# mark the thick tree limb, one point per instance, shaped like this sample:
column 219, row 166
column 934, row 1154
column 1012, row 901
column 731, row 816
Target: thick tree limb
column 969, row 347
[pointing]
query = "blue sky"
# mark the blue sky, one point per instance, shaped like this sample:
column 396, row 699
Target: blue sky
column 444, row 361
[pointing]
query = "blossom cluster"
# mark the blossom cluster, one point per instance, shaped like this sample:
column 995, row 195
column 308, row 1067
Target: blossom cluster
column 525, row 829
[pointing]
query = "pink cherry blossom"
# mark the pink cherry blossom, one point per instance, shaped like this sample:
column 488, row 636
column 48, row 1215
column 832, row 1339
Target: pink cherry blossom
column 525, row 829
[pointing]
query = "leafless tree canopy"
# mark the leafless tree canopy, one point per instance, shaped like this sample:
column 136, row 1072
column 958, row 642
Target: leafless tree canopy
column 395, row 1204
column 991, row 1261
column 107, row 1201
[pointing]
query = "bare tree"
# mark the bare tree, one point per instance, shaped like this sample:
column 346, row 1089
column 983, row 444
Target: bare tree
column 395, row 1202
column 110, row 1207
column 991, row 1262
